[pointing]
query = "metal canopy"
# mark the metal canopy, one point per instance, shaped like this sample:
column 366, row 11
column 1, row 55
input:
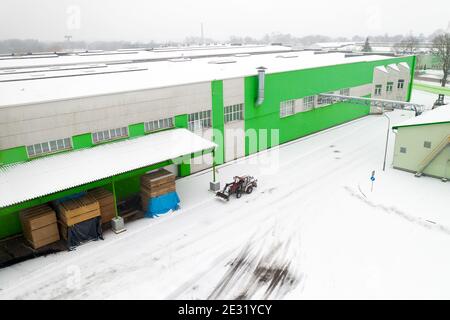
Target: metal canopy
column 47, row 175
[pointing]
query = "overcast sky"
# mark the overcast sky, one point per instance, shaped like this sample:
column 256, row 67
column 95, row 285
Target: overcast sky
column 145, row 20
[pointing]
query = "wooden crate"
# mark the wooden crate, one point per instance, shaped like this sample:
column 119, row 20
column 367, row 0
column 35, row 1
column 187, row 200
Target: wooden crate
column 105, row 199
column 74, row 211
column 39, row 225
column 160, row 190
column 157, row 178
column 155, row 184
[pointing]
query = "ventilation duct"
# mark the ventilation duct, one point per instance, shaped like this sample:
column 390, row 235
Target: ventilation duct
column 261, row 78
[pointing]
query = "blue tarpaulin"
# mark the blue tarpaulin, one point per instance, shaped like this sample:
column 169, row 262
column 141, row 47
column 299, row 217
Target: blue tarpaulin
column 162, row 204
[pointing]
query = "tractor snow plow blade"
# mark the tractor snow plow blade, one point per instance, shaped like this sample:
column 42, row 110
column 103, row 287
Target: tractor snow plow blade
column 223, row 195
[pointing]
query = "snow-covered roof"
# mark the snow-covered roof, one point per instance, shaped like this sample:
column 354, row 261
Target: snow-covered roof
column 382, row 69
column 439, row 115
column 98, row 56
column 53, row 85
column 333, row 44
column 405, row 65
column 40, row 177
column 394, row 67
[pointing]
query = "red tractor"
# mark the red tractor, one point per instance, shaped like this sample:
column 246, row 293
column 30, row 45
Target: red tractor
column 238, row 186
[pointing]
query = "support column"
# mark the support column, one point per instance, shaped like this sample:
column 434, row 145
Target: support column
column 115, row 198
column 184, row 169
column 214, row 185
column 117, row 224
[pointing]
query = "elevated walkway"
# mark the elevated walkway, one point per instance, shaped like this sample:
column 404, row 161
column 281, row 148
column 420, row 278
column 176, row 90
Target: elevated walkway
column 380, row 104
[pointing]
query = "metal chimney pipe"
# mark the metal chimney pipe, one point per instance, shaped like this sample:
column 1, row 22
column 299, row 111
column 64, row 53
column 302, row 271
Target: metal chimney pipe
column 261, row 77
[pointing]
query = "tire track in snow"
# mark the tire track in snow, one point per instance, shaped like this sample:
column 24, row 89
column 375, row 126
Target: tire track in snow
column 265, row 268
column 393, row 210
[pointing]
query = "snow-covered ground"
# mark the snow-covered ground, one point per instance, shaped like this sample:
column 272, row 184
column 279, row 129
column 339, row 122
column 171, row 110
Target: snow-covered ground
column 312, row 229
column 426, row 98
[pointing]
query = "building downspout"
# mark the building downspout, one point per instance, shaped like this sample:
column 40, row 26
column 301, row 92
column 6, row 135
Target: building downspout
column 261, row 78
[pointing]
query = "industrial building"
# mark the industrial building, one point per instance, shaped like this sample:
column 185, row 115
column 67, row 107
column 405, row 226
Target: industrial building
column 422, row 144
column 73, row 123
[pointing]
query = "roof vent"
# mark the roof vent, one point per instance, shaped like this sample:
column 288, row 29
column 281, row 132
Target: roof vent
column 180, row 59
column 222, row 61
column 287, row 56
column 261, row 80
column 353, row 54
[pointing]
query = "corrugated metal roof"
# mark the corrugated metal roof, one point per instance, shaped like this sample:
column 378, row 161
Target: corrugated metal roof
column 40, row 177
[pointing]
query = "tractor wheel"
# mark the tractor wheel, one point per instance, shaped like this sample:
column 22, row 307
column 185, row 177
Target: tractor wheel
column 238, row 194
column 249, row 190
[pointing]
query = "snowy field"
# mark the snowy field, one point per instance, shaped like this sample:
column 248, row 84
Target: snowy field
column 312, row 229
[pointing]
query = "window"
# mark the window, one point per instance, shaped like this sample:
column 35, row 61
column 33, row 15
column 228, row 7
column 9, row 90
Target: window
column 110, row 134
column 378, row 88
column 401, row 84
column 199, row 120
column 49, row 147
column 309, row 103
column 427, row 144
column 389, row 86
column 344, row 92
column 287, row 108
column 160, row 124
column 402, row 150
column 234, row 112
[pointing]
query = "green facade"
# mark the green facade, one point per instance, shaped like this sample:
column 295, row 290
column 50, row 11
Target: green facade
column 428, row 61
column 13, row 155
column 218, row 120
column 298, row 84
column 82, row 141
column 279, row 87
column 184, row 169
column 136, row 130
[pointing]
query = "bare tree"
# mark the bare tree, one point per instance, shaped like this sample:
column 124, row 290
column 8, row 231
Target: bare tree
column 411, row 44
column 441, row 48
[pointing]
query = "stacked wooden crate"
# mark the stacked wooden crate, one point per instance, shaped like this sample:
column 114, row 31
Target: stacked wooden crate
column 105, row 199
column 39, row 225
column 73, row 211
column 155, row 184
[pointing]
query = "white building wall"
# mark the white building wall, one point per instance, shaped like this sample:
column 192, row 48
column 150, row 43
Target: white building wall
column 405, row 74
column 205, row 161
column 392, row 73
column 29, row 124
column 234, row 140
column 361, row 91
column 233, row 91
